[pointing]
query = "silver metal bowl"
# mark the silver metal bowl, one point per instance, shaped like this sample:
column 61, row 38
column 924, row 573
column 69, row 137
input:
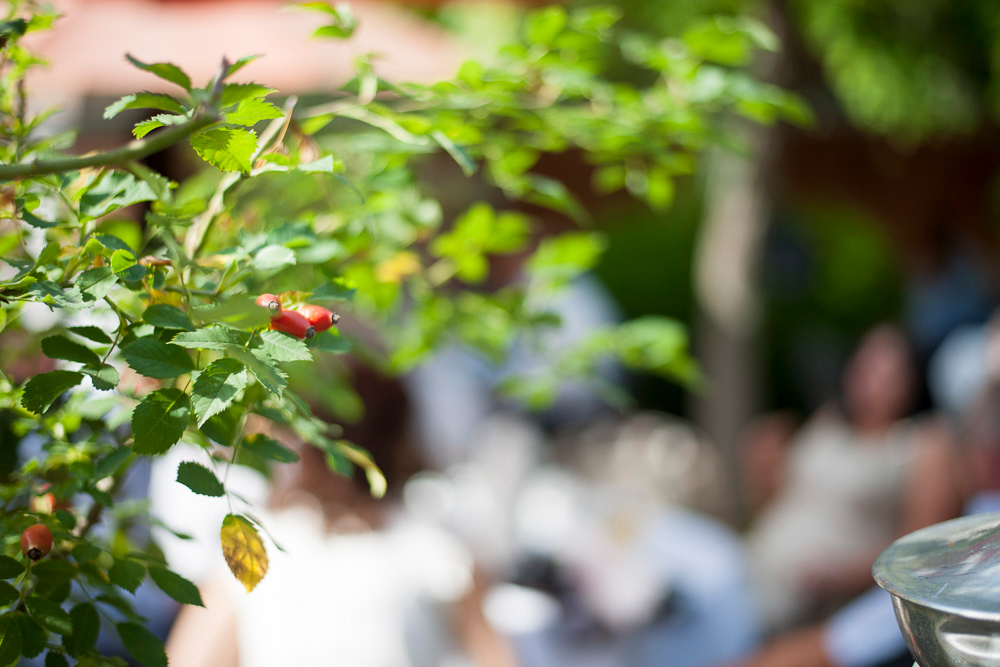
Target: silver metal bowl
column 945, row 586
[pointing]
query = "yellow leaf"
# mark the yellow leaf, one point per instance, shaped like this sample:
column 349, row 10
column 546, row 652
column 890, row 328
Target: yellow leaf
column 243, row 550
column 398, row 267
column 359, row 457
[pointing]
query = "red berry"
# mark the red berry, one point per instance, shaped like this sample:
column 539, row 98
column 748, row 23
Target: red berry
column 292, row 322
column 271, row 302
column 318, row 316
column 36, row 541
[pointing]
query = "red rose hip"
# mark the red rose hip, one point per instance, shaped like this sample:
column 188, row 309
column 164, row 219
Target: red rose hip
column 36, row 541
column 271, row 302
column 318, row 316
column 292, row 322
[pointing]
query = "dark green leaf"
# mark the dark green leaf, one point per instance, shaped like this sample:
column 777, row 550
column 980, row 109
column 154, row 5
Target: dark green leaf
column 264, row 369
column 227, row 149
column 166, row 316
column 97, row 283
column 216, row 387
column 10, row 639
column 117, row 189
column 338, row 289
column 91, row 333
column 66, row 518
column 176, row 586
column 330, row 341
column 200, row 479
column 127, row 573
column 86, row 626
column 105, row 377
column 166, row 71
column 152, row 358
column 33, row 636
column 10, row 567
column 125, row 266
column 142, row 644
column 85, row 551
column 60, row 347
column 54, row 570
column 112, row 463
column 53, row 659
column 49, row 615
column 45, row 388
column 158, row 422
column 270, row 449
column 144, row 100
column 8, row 594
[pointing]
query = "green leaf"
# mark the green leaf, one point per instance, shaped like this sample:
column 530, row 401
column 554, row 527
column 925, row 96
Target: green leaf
column 216, row 387
column 91, row 333
column 124, row 265
column 144, row 100
column 158, row 422
column 10, row 567
column 49, row 615
column 104, row 377
column 53, row 571
column 457, row 153
column 60, row 347
column 10, row 639
column 252, row 111
column 33, row 636
column 273, row 257
column 215, row 337
column 243, row 550
column 226, row 149
column 160, row 120
column 112, row 463
column 544, row 25
column 566, row 256
column 154, row 359
column 8, row 593
column 142, row 644
column 53, row 659
column 264, row 369
column 166, row 71
column 284, row 347
column 234, row 93
column 97, row 282
column 330, row 341
column 240, row 64
column 338, row 289
column 270, row 449
column 199, row 479
column 166, row 316
column 86, row 627
column 176, row 586
column 45, row 388
column 128, row 574
column 115, row 190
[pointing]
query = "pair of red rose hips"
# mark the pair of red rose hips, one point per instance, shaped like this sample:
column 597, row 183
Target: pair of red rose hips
column 304, row 322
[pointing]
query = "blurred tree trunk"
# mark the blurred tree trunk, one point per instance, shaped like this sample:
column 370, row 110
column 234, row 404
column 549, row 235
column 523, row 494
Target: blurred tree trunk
column 738, row 204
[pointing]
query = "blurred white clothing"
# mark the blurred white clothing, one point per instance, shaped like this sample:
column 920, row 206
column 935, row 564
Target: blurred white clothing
column 840, row 505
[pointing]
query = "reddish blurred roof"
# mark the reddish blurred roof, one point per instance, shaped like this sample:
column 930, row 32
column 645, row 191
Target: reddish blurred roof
column 87, row 47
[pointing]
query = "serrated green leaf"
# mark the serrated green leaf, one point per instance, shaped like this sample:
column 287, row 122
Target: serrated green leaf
column 176, row 586
column 125, row 266
column 86, row 627
column 200, row 479
column 166, row 316
column 166, row 71
column 243, row 550
column 53, row 659
column 104, row 377
column 273, row 257
column 33, row 636
column 252, row 111
column 158, row 422
column 142, row 644
column 284, row 347
column 53, row 571
column 216, row 387
column 227, row 149
column 144, row 100
column 114, row 190
column 270, row 449
column 241, row 63
column 49, row 615
column 97, row 282
column 160, row 120
column 10, row 568
column 155, row 359
column 45, row 388
column 10, row 639
column 234, row 93
column 263, row 368
column 127, row 573
column 60, row 347
column 91, row 333
column 215, row 337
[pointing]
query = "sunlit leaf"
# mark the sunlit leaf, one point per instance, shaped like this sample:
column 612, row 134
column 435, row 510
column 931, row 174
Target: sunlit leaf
column 244, row 551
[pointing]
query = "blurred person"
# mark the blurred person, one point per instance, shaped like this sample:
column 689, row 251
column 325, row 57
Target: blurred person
column 858, row 475
column 865, row 632
column 620, row 566
column 355, row 581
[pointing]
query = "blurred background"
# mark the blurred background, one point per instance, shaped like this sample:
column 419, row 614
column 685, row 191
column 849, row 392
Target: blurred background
column 703, row 524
